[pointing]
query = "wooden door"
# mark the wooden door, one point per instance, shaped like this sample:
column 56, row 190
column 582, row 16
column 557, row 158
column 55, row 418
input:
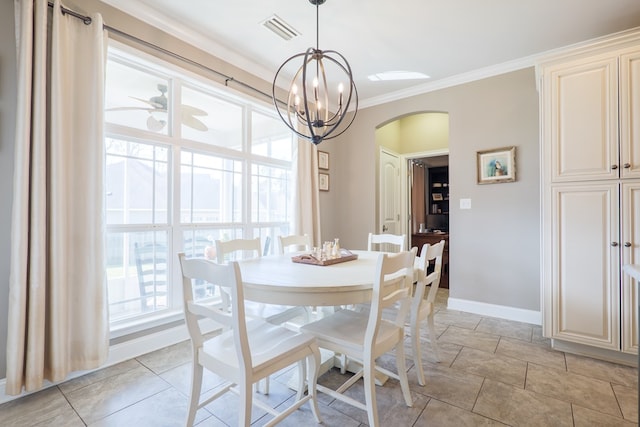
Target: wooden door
column 390, row 190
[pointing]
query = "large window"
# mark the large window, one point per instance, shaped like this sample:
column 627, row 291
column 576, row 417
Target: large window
column 187, row 162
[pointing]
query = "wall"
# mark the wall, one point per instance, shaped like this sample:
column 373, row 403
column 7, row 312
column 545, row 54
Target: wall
column 423, row 132
column 494, row 246
column 7, row 131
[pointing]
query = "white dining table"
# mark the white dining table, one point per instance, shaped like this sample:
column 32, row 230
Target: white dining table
column 276, row 279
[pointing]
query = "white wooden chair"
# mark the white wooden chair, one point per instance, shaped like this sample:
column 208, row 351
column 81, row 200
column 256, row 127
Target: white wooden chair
column 365, row 335
column 398, row 241
column 424, row 308
column 235, row 249
column 248, row 351
column 285, row 242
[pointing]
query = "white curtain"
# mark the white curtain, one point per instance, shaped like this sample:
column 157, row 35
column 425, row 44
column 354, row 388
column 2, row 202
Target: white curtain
column 58, row 316
column 306, row 193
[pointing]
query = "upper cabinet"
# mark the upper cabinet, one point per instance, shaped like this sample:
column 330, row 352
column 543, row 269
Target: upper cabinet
column 588, row 117
column 629, row 113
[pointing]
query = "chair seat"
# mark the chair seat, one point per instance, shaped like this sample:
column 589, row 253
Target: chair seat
column 345, row 329
column 266, row 341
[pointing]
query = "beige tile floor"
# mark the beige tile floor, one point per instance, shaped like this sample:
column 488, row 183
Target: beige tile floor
column 492, row 372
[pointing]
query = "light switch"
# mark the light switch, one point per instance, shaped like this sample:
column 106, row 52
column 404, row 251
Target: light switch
column 465, row 203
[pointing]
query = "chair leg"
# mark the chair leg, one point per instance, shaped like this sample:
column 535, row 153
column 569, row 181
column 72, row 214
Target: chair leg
column 196, row 387
column 312, row 379
column 417, row 350
column 432, row 334
column 402, row 373
column 246, row 395
column 369, row 378
column 301, row 377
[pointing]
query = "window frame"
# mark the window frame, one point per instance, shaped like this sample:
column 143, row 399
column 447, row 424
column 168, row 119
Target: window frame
column 178, row 77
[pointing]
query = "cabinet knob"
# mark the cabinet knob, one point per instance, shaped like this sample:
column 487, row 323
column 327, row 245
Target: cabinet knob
column 614, row 167
column 627, row 244
column 614, row 244
column 627, row 165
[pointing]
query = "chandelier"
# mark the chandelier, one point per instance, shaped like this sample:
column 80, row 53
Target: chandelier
column 314, row 110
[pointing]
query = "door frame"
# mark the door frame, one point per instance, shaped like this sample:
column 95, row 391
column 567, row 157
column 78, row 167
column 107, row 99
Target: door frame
column 405, row 191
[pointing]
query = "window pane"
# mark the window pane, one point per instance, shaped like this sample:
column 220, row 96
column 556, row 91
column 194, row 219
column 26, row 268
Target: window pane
column 137, row 271
column 212, row 120
column 137, row 182
column 136, row 98
column 270, row 137
column 211, row 189
column 271, row 194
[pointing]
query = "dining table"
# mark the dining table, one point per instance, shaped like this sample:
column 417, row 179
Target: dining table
column 277, row 279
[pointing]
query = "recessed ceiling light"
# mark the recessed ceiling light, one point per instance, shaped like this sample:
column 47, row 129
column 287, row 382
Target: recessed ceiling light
column 397, row 75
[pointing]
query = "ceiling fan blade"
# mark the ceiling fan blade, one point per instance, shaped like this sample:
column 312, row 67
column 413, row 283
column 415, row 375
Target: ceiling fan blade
column 146, row 101
column 194, row 123
column 154, row 124
column 130, row 109
column 192, row 111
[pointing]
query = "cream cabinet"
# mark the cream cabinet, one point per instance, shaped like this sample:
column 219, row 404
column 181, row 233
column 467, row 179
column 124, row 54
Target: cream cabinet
column 590, row 181
column 630, row 241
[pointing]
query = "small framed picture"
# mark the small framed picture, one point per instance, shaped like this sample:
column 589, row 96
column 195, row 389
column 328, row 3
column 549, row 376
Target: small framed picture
column 323, row 160
column 497, row 165
column 323, row 181
column 437, row 196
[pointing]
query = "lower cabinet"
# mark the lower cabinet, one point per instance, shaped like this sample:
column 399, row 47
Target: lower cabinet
column 591, row 230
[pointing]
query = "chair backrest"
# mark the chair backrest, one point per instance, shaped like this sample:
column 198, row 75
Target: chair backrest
column 427, row 254
column 195, row 248
column 230, row 250
column 228, row 277
column 151, row 266
column 392, row 284
column 294, row 240
column 399, row 242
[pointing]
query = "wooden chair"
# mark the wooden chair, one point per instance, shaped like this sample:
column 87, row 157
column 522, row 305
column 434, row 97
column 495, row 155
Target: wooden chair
column 247, row 351
column 235, row 249
column 398, row 242
column 365, row 335
column 151, row 266
column 424, row 308
column 285, row 242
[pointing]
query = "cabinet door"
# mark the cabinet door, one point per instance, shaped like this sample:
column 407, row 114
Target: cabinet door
column 630, row 114
column 583, row 119
column 630, row 205
column 585, row 266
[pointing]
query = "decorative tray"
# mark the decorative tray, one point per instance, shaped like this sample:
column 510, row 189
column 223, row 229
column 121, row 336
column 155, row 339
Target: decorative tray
column 345, row 256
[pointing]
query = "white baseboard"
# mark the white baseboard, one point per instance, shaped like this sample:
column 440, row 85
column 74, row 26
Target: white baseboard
column 124, row 351
column 493, row 310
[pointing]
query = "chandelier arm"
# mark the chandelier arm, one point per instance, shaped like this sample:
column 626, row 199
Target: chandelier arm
column 307, row 59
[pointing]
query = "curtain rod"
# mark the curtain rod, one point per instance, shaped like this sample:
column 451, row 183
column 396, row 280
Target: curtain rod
column 87, row 20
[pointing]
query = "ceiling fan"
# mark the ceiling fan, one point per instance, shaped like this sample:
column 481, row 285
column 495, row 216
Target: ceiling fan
column 158, row 104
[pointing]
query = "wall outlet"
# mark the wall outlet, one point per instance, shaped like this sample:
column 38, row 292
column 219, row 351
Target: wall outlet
column 465, row 203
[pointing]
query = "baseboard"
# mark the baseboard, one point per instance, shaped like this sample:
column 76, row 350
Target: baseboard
column 125, row 350
column 493, row 310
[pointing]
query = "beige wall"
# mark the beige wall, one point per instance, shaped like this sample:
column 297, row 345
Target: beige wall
column 495, row 245
column 418, row 132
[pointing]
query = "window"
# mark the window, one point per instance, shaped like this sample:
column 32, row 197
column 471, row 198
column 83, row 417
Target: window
column 187, row 162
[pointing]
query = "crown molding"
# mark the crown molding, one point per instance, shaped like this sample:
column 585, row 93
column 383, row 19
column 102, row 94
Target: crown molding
column 190, row 36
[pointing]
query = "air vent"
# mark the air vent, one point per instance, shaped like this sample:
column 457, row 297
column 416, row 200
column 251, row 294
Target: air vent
column 281, row 28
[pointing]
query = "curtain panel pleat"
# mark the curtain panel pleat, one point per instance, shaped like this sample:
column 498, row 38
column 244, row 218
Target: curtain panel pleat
column 306, row 193
column 58, row 314
column 418, row 202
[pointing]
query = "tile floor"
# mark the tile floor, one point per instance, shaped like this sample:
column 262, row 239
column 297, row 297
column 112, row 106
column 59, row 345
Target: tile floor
column 492, row 372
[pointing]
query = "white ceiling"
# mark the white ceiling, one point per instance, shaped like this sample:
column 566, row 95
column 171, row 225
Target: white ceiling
column 449, row 40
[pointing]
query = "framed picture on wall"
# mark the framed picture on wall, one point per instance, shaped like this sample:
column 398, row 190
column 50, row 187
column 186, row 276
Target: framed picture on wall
column 496, row 165
column 323, row 181
column 323, row 160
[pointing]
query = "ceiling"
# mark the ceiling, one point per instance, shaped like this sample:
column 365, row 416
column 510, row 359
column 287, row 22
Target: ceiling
column 449, row 40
